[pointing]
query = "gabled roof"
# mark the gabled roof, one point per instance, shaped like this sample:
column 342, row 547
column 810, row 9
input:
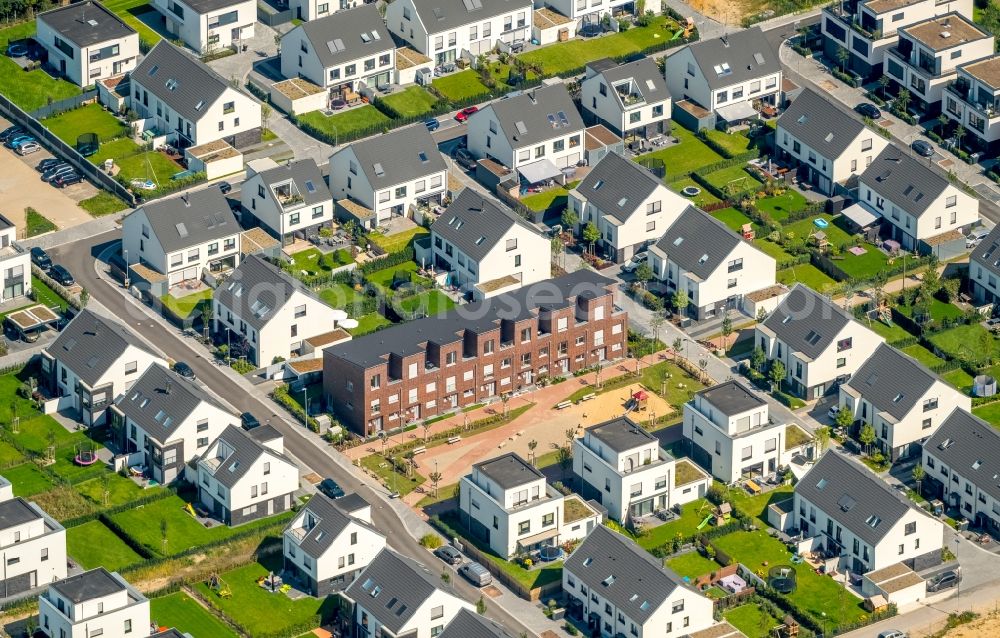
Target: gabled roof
column 468, row 624
column 509, row 471
column 401, row 156
column 807, row 321
column 304, row 174
column 892, row 382
column 184, row 84
column 536, row 115
column 623, row 573
column 735, row 58
column 445, row 15
column 91, row 344
column 257, row 290
column 86, row 23
column 331, row 519
column 392, row 588
column 347, row 35
column 852, row 495
column 731, row 397
column 698, row 243
column 191, row 219
column 161, row 400
column 617, row 186
column 904, row 180
column 987, row 253
column 475, row 224
column 820, row 124
column 647, row 77
column 621, row 434
column 971, row 448
column 17, row 511
column 91, row 585
column 242, row 451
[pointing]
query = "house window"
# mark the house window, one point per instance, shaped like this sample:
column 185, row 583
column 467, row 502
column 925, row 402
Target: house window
column 524, row 527
column 844, row 344
column 650, row 226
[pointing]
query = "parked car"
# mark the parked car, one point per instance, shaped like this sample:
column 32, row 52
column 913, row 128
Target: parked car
column 17, row 50
column 922, row 148
column 449, row 554
column 466, row 113
column 51, row 174
column 225, row 188
column 249, row 421
column 465, row 159
column 17, row 139
column 833, row 412
column 868, row 110
column 22, row 141
column 67, row 179
column 432, row 124
column 11, row 131
column 330, row 487
column 47, row 163
column 41, row 258
column 28, row 148
column 184, row 370
column 476, row 574
column 892, row 633
column 61, row 275
column 637, row 259
column 944, row 580
column 975, row 237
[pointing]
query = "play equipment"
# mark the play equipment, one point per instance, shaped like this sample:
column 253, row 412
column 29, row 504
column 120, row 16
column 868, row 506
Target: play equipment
column 551, row 553
column 748, row 232
column 820, row 222
column 219, row 586
column 638, row 401
column 85, row 454
column 272, row 582
column 984, row 385
column 190, row 510
column 722, row 513
column 782, row 578
column 708, row 519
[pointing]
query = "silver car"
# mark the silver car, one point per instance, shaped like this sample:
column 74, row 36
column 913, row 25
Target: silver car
column 476, row 574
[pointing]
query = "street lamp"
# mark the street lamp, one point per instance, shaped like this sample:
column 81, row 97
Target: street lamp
column 958, row 581
column 127, row 269
column 305, row 403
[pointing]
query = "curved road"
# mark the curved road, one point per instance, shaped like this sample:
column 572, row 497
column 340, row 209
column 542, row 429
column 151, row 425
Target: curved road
column 79, row 258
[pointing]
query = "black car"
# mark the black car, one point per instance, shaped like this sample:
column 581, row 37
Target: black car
column 249, row 421
column 225, row 187
column 56, row 171
column 329, row 487
column 449, row 554
column 868, row 110
column 65, row 179
column 944, row 580
column 47, row 163
column 922, row 148
column 41, row 258
column 465, row 159
column 432, row 124
column 184, row 370
column 11, row 131
column 61, row 275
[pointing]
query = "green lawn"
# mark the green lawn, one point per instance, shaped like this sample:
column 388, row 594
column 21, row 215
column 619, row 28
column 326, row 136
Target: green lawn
column 369, row 323
column 397, row 241
column 989, row 413
column 129, row 11
column 9, row 455
column 103, row 203
column 892, row 333
column 692, row 565
column 120, row 490
column 340, row 296
column 770, row 248
column 732, row 217
column 733, row 143
column 184, row 613
column 460, row 86
column 553, row 199
column 393, row 479
column 692, row 514
column 807, row 274
column 134, row 163
column 28, row 480
column 686, row 156
column 666, row 373
column 383, row 278
column 66, row 468
column 39, row 432
column 737, row 178
column 777, row 207
column 940, row 310
column 969, row 341
column 29, row 89
column 751, row 620
column 45, row 295
column 184, row 306
column 94, row 545
column 431, row 302
column 90, row 118
column 314, row 262
column 756, row 506
column 702, row 199
column 960, row 379
column 923, row 355
column 413, row 101
column 362, row 120
column 37, row 224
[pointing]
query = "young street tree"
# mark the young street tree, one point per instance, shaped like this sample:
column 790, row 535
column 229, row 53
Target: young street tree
column 776, row 374
column 867, row 437
column 919, row 475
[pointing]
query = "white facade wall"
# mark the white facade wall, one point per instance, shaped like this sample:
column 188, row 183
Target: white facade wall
column 299, row 59
column 306, row 10
column 960, row 491
column 37, row 546
column 608, row 108
column 112, row 616
column 981, row 120
column 79, row 68
column 486, row 139
column 926, row 86
column 475, row 37
column 282, row 221
column 833, row 170
column 425, row 622
column 953, row 209
column 595, row 9
column 15, row 273
column 687, row 81
column 121, row 375
column 210, row 31
column 342, row 558
column 348, row 180
column 233, row 113
column 213, row 420
column 256, row 488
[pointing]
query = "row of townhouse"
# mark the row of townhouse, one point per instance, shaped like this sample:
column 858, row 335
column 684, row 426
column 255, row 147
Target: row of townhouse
column 32, row 545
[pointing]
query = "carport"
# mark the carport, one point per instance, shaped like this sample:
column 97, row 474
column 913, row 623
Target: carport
column 541, row 171
column 28, row 322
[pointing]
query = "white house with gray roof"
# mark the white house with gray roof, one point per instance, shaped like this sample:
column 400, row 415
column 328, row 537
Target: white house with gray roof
column 86, row 42
column 921, row 209
column 306, row 10
column 984, row 268
column 445, row 30
column 713, row 265
column 617, row 587
column 486, row 248
column 397, row 597
column 630, row 206
column 6, row 490
column 94, row 603
column 32, row 546
column 850, row 512
column 15, row 264
column 245, row 476
column 208, row 25
column 631, row 99
column 901, row 399
column 165, row 421
column 538, row 133
column 92, row 362
column 826, row 144
column 726, row 75
column 388, row 175
column 290, row 200
column 329, row 542
column 183, row 237
column 190, row 102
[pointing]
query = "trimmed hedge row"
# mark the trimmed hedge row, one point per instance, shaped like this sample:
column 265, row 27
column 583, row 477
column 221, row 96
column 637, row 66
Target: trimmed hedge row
column 118, row 509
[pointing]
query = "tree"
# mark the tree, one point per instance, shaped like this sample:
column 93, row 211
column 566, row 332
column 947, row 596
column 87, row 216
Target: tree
column 681, row 302
column 591, row 235
column 84, row 297
column 703, row 364
column 676, row 346
column 883, row 83
column 843, row 55
column 481, row 606
column 942, row 121
column 776, row 374
column 206, row 318
column 532, row 444
column 757, row 359
column 408, row 462
column 265, row 115
column 565, row 457
column 557, row 248
column 643, row 274
column 163, row 534
column 435, row 478
column 761, row 315
column 844, row 418
column 569, row 219
column 505, row 399
column 822, row 438
column 570, row 436
column 427, row 429
column 959, row 134
column 867, row 437
column 105, row 488
column 902, row 101
column 727, row 329
column 919, row 475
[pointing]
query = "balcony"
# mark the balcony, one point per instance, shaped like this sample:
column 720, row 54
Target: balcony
column 288, row 195
column 961, row 90
column 629, row 95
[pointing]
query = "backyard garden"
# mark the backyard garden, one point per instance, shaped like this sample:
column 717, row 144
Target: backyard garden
column 29, row 89
column 344, row 126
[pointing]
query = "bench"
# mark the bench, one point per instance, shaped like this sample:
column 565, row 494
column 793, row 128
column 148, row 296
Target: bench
column 419, row 450
column 454, row 439
column 563, row 405
column 588, row 397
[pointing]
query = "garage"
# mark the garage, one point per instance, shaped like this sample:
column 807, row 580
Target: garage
column 18, row 584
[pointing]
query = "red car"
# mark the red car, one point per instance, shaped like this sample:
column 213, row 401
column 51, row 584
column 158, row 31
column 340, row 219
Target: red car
column 464, row 114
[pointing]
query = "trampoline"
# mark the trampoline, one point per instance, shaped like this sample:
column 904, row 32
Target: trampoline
column 984, row 386
column 782, row 579
column 690, row 191
column 552, row 553
column 85, row 455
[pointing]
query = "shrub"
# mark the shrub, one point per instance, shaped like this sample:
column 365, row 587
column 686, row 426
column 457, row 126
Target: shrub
column 430, row 541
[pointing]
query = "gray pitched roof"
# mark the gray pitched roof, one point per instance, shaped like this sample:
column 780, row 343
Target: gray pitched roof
column 331, row 520
column 821, row 125
column 160, row 401
column 617, row 186
column 971, row 447
column 336, row 39
column 509, row 471
column 16, row 511
column 445, row 15
column 257, row 290
column 698, row 242
column 621, row 434
column 90, row 344
column 469, row 624
column 475, row 224
column 646, row 75
column 243, row 451
column 97, row 583
column 987, row 253
column 193, row 82
column 746, row 53
column 86, row 23
column 190, row 219
column 731, row 397
column 622, row 572
column 527, row 118
column 807, row 321
column 853, row 495
column 401, row 156
column 892, row 382
column 304, row 174
column 392, row 588
column 904, row 180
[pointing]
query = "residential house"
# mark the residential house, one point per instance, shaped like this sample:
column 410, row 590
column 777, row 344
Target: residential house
column 468, row 624
column 713, row 265
column 622, row 466
column 93, row 361
column 825, row 144
column 487, row 248
column 94, row 603
column 384, row 380
column 446, row 30
column 973, row 101
column 208, row 25
column 86, row 42
column 329, row 542
column 538, row 133
column 631, row 99
column 819, row 343
column 984, row 269
column 388, row 176
column 190, row 102
column 727, row 75
column 901, row 399
column 244, row 476
column 630, row 206
column 268, row 312
column 165, row 421
column 926, row 57
column 6, row 490
column 290, row 200
column 306, row 10
column 32, row 547
column 507, row 504
column 850, row 512
column 342, row 53
column 397, row 597
column 920, row 208
column 619, row 589
column 183, row 237
column 15, row 264
column 585, row 13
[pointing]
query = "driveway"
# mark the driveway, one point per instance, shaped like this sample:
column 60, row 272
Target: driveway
column 21, row 187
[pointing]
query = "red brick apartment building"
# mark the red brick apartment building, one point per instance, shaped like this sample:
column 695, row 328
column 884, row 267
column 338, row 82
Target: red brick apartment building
column 416, row 370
